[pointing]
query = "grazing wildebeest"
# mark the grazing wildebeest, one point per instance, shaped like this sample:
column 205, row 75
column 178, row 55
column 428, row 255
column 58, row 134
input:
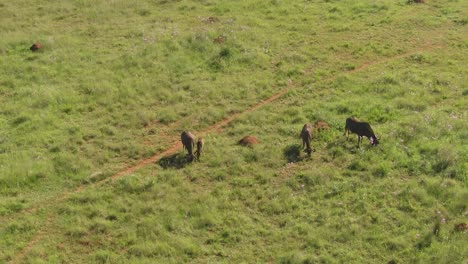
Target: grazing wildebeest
column 306, row 135
column 200, row 143
column 362, row 129
column 36, row 46
column 188, row 142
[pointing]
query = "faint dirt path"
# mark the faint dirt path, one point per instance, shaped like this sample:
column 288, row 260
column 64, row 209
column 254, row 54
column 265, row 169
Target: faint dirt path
column 176, row 146
column 38, row 237
column 404, row 55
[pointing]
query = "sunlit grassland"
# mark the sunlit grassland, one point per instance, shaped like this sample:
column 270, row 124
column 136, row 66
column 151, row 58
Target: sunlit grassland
column 118, row 82
column 372, row 204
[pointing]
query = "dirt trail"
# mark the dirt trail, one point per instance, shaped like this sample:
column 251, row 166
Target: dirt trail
column 404, row 55
column 38, row 237
column 177, row 145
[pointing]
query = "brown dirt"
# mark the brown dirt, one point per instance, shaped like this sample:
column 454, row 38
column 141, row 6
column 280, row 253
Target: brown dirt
column 220, row 40
column 322, row 125
column 38, row 237
column 36, row 46
column 461, row 227
column 211, row 19
column 404, row 55
column 249, row 141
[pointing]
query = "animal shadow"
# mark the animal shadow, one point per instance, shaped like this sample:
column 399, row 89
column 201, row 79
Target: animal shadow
column 175, row 161
column 292, row 153
column 354, row 148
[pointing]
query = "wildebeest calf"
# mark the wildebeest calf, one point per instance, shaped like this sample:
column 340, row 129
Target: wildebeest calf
column 362, row 129
column 200, row 143
column 306, row 135
column 188, row 142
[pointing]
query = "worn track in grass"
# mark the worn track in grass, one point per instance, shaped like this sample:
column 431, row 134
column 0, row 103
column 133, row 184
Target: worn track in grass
column 176, row 145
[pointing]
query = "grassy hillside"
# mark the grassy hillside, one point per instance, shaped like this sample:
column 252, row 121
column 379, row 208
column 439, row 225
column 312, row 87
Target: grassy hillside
column 117, row 82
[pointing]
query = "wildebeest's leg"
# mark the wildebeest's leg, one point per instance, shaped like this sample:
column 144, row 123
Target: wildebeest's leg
column 192, row 146
column 309, row 149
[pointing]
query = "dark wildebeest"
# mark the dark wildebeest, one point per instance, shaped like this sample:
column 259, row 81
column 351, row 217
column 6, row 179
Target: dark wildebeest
column 306, row 135
column 36, row 46
column 188, row 142
column 200, row 143
column 362, row 129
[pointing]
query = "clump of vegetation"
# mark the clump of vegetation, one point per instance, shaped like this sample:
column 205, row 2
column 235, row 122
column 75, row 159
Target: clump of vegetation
column 415, row 2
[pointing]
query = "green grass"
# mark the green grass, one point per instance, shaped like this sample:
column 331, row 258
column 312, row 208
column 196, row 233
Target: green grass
column 117, row 82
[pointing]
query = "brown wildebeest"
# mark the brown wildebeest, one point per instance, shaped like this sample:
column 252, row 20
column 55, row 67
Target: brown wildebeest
column 188, row 142
column 306, row 135
column 362, row 129
column 36, row 46
column 200, row 143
